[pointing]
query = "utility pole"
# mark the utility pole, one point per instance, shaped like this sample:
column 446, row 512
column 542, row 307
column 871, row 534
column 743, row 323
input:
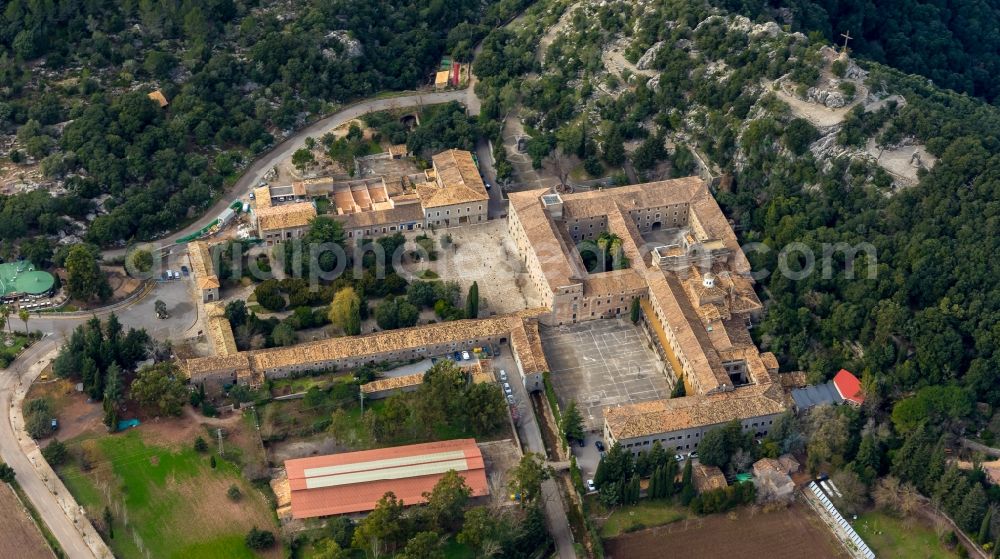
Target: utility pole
column 361, row 395
column 221, row 449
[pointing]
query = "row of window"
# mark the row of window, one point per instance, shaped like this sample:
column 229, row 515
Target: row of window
column 457, row 211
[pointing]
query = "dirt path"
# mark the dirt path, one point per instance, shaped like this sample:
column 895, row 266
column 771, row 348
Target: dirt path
column 550, row 35
column 819, row 115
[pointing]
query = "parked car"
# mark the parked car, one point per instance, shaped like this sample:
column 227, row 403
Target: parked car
column 55, row 424
column 170, row 274
column 503, row 375
column 466, row 356
column 693, row 454
column 679, row 457
column 582, row 442
column 487, row 185
column 507, row 389
column 591, row 486
column 510, row 399
column 457, row 356
column 163, row 276
column 599, row 445
column 185, row 271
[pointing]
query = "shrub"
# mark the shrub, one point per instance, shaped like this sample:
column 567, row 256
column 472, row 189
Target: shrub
column 55, row 453
column 234, row 493
column 200, row 445
column 259, row 539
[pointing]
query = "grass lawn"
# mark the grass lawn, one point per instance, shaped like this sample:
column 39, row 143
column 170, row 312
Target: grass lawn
column 455, row 550
column 891, row 537
column 10, row 352
column 635, row 517
column 175, row 503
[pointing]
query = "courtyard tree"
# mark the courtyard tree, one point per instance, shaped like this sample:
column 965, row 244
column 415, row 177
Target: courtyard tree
column 24, row 315
column 526, row 478
column 84, row 279
column 158, row 388
column 303, row 158
column 283, row 335
column 384, row 529
column 636, row 311
column 142, row 260
column 329, row 549
column 472, row 301
column 446, row 502
column 114, row 393
column 572, row 423
column 5, row 312
column 160, row 308
column 345, row 311
column 423, row 545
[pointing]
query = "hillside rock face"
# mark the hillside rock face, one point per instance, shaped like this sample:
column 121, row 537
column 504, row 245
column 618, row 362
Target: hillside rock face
column 647, row 59
column 830, row 99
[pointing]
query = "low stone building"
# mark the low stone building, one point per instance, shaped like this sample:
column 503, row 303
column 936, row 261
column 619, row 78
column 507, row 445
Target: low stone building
column 205, row 280
column 707, row 478
column 519, row 330
column 772, row 481
column 284, row 222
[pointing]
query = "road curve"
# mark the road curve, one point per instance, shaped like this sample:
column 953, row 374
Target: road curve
column 255, row 172
column 16, row 456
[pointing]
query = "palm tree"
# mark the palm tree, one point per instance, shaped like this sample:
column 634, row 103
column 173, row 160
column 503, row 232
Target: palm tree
column 5, row 311
column 24, row 315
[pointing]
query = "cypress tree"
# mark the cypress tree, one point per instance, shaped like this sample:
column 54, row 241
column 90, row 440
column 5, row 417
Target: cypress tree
column 984, row 526
column 472, row 301
column 653, row 491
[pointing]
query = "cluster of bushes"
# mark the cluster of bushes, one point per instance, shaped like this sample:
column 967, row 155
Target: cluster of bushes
column 724, row 498
column 38, row 418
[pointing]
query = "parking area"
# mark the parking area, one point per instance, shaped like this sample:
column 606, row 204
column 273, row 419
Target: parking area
column 602, row 363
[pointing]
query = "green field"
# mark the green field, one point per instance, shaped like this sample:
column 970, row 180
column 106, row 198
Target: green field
column 890, row 537
column 175, row 503
column 645, row 514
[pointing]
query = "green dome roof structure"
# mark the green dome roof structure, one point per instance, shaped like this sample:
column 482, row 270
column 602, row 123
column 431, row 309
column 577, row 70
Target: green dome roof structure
column 22, row 277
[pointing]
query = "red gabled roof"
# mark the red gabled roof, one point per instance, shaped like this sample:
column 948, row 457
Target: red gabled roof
column 355, row 481
column 848, row 386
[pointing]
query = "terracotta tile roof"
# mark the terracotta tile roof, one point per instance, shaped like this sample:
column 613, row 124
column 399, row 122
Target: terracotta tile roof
column 636, row 196
column 355, row 481
column 403, row 213
column 664, row 416
column 221, row 334
column 548, row 245
column 380, row 342
column 707, row 478
column 262, row 197
column 286, row 216
column 612, row 283
column 201, row 265
column 392, row 383
column 458, row 181
column 200, row 367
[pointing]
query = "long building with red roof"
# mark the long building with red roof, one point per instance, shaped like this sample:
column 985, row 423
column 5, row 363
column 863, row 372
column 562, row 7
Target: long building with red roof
column 353, row 482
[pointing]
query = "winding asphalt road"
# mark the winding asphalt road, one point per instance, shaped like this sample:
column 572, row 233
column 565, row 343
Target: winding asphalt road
column 61, row 526
column 253, row 174
column 19, row 453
